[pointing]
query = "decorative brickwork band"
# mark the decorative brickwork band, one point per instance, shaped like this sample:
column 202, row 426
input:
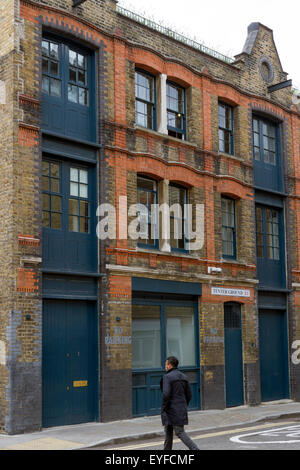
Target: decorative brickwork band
column 28, row 240
column 27, row 281
column 28, row 135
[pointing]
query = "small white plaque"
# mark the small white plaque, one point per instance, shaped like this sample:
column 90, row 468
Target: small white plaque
column 230, row 292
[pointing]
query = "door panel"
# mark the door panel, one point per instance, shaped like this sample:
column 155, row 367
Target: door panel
column 63, row 247
column 233, row 355
column 273, row 355
column 270, row 247
column 69, row 362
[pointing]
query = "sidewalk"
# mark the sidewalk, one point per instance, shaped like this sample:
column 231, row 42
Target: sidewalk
column 90, row 434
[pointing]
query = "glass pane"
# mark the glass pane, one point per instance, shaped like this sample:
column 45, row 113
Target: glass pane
column 256, row 139
column 172, row 104
column 45, row 48
column 83, row 176
column 74, row 189
column 272, row 145
column 54, row 170
column 72, row 93
column 82, row 96
column 272, row 158
column 259, row 219
column 276, row 254
column 81, row 61
column 45, row 85
column 221, row 110
column 81, row 77
column 222, row 121
column 181, row 334
column 271, row 131
column 171, row 119
column 227, row 142
column 141, row 120
column 46, row 202
column 84, row 225
column 149, row 116
column 84, row 208
column 72, row 58
column 265, row 128
column 141, row 108
column 55, row 221
column 146, row 337
column 174, row 98
column 45, row 183
column 73, row 75
column 257, row 153
column 54, row 185
column 73, row 174
column 45, row 63
column 45, row 168
column 266, row 143
column 221, row 141
column 232, row 316
column 46, row 219
column 227, row 242
column 56, row 203
column 259, row 251
column 228, row 115
column 73, row 223
column 83, row 190
column 53, row 50
column 143, row 87
column 55, row 87
column 54, row 68
column 227, row 212
column 73, row 207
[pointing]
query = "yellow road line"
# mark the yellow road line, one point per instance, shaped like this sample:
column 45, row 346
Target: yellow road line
column 207, row 435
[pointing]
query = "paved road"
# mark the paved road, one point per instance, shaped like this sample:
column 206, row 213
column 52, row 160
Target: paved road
column 269, row 435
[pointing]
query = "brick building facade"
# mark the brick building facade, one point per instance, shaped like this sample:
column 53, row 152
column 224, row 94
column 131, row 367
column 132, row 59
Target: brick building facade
column 99, row 106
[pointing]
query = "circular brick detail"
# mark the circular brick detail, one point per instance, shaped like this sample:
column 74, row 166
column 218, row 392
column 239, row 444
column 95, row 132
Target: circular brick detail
column 266, row 69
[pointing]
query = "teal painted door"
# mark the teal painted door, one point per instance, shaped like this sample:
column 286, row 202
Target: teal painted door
column 69, row 362
column 69, row 224
column 270, row 247
column 233, row 355
column 273, row 355
column 68, row 89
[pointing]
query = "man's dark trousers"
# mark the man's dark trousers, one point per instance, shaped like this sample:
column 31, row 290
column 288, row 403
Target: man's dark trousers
column 179, row 431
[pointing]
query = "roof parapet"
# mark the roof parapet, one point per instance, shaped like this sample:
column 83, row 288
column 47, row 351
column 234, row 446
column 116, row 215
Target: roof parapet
column 174, row 35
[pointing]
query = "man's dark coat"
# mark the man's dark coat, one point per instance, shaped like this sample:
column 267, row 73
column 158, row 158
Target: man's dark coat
column 176, row 397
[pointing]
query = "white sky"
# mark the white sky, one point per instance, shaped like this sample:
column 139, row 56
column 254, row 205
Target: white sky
column 222, row 24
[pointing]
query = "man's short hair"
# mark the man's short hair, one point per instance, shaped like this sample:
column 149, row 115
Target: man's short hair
column 173, row 361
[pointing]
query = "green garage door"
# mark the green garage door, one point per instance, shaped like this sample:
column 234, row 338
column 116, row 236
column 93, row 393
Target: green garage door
column 69, row 362
column 233, row 355
column 273, row 355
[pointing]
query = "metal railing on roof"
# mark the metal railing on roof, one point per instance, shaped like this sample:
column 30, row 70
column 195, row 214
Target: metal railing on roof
column 173, row 34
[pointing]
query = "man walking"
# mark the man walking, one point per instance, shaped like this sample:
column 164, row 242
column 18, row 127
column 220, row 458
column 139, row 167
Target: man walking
column 176, row 397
